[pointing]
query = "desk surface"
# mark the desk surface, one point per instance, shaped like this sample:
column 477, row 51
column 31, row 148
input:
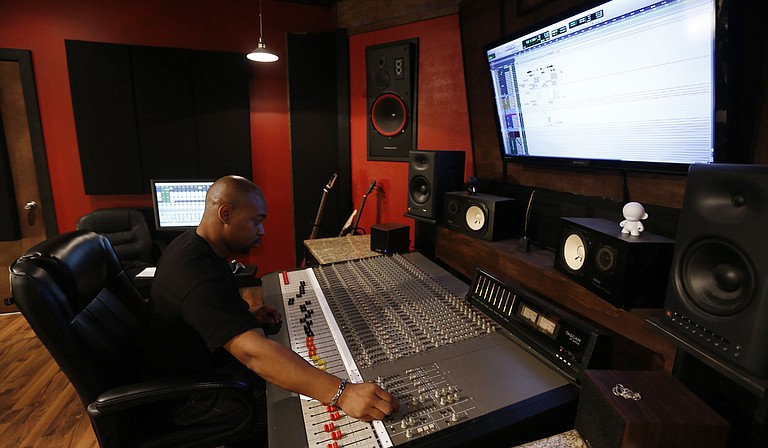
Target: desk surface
column 333, row 250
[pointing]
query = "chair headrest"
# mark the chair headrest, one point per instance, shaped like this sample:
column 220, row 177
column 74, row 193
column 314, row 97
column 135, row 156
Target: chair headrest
column 81, row 262
column 111, row 220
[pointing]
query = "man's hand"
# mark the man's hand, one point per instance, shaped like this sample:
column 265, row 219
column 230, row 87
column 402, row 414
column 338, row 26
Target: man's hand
column 268, row 315
column 367, row 401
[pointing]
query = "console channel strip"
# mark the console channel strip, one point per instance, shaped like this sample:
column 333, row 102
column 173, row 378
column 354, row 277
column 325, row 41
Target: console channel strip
column 403, row 322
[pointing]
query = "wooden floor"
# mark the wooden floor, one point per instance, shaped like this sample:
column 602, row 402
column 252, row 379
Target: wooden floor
column 38, row 406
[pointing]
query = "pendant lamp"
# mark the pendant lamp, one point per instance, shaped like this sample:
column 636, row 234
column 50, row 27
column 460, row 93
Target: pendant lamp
column 260, row 53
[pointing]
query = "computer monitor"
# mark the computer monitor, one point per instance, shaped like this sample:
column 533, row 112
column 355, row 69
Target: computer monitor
column 178, row 204
column 622, row 84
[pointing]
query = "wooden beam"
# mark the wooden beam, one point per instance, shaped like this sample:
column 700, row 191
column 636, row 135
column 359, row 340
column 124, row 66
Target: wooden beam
column 360, row 16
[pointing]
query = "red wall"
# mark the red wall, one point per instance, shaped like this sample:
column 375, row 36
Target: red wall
column 223, row 25
column 232, row 25
column 443, row 120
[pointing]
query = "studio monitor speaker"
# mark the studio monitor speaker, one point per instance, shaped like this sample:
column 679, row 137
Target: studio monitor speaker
column 483, row 216
column 430, row 175
column 392, row 80
column 717, row 297
column 626, row 271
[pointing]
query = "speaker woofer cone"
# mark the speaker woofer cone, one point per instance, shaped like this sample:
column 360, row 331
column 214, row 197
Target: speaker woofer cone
column 476, row 217
column 389, row 115
column 574, row 252
column 717, row 278
column 420, row 190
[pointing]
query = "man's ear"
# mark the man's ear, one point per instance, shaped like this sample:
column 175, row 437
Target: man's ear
column 225, row 213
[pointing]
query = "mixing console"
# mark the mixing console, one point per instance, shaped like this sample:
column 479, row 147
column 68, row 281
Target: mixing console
column 402, row 322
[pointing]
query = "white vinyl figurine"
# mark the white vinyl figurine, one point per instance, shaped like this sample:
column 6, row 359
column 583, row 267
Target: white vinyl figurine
column 633, row 212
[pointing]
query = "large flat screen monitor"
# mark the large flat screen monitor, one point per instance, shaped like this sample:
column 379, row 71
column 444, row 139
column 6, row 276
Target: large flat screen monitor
column 178, row 204
column 620, row 84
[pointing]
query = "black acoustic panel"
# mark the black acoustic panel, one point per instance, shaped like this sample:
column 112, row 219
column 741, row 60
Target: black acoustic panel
column 717, row 297
column 312, row 72
column 165, row 107
column 392, row 82
column 105, row 117
column 626, row 271
column 10, row 230
column 222, row 109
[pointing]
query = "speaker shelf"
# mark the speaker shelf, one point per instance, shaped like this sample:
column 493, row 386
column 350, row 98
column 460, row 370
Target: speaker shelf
column 626, row 271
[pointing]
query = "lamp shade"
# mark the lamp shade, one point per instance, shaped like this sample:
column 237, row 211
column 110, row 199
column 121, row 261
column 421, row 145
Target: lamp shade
column 261, row 54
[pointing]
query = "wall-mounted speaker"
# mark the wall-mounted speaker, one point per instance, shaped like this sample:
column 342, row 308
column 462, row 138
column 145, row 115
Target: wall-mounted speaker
column 626, row 271
column 392, row 80
column 717, row 297
column 480, row 215
column 430, row 175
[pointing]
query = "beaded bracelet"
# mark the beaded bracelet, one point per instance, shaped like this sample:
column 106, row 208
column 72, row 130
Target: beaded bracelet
column 336, row 397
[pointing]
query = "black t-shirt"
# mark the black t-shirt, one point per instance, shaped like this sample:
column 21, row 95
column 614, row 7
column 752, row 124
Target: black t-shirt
column 195, row 308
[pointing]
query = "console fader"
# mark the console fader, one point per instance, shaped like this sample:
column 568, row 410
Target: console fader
column 402, row 322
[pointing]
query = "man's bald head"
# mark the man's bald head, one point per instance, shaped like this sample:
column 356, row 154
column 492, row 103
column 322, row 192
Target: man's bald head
column 234, row 190
column 234, row 211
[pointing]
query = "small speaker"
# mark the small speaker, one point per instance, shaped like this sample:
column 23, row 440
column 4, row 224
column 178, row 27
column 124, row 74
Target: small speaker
column 483, row 216
column 430, row 175
column 626, row 271
column 717, row 297
column 644, row 409
column 390, row 238
column 392, row 74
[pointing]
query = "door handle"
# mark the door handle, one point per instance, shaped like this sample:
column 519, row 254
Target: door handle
column 30, row 206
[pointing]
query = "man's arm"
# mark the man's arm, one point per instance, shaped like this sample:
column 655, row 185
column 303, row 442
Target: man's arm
column 286, row 369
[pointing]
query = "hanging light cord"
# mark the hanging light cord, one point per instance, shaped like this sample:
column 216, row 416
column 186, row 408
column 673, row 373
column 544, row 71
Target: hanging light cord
column 261, row 30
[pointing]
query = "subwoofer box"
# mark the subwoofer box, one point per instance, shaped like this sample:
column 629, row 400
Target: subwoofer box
column 390, row 238
column 644, row 409
column 626, row 271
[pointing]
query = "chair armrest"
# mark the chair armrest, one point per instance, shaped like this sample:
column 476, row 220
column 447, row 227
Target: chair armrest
column 154, row 391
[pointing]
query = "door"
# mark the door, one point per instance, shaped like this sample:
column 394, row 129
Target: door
column 22, row 138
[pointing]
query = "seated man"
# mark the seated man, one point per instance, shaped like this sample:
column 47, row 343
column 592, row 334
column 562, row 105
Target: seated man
column 198, row 322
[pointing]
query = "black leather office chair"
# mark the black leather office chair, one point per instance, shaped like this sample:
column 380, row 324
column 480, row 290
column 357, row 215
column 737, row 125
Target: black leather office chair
column 128, row 232
column 85, row 309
